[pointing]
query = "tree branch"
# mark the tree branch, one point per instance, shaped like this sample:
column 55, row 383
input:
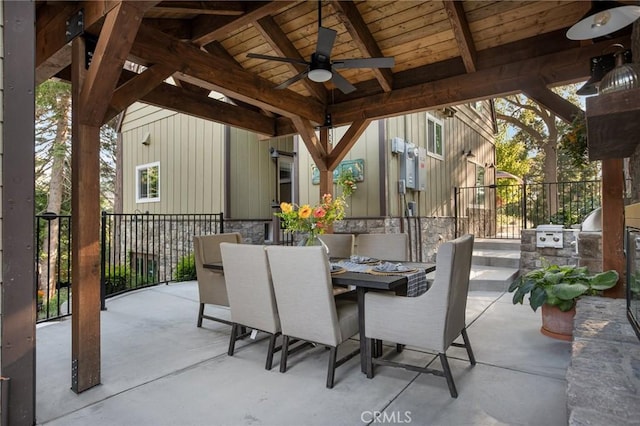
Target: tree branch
column 533, row 133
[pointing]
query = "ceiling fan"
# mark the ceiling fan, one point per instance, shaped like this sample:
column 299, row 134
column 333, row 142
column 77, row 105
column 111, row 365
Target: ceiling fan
column 321, row 68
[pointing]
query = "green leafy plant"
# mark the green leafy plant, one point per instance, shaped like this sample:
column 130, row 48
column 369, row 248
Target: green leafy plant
column 186, row 268
column 117, row 279
column 560, row 286
column 347, row 181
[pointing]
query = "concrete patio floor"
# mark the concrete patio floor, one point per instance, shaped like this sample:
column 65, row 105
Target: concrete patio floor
column 158, row 368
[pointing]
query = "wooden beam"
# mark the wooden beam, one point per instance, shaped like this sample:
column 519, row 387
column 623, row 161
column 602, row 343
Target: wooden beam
column 230, row 8
column 347, row 142
column 308, row 134
column 206, row 71
column 555, row 103
column 85, row 217
column 613, row 223
column 501, row 80
column 326, row 176
column 207, row 29
column 357, row 28
column 18, row 298
column 116, row 38
column 56, row 63
column 462, row 33
column 136, row 88
column 279, row 42
column 180, row 100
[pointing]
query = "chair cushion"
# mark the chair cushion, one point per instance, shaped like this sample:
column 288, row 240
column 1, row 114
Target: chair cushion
column 347, row 317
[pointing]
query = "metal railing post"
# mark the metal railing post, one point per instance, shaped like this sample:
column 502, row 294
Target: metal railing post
column 103, row 261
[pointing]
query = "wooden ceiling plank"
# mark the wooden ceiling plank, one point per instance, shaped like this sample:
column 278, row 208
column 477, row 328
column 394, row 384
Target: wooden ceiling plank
column 282, row 46
column 117, row 36
column 555, row 68
column 362, row 37
column 136, row 88
column 230, row 8
column 308, row 134
column 347, row 142
column 462, row 33
column 555, row 103
column 204, row 33
column 207, row 71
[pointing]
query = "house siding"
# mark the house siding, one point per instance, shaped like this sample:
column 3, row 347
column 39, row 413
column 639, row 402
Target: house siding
column 196, row 155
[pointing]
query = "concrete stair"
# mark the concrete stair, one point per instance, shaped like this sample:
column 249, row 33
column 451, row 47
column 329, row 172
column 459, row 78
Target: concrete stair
column 495, row 264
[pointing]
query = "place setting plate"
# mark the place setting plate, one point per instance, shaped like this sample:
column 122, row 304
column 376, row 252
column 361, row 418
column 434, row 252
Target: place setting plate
column 364, row 260
column 337, row 269
column 391, row 269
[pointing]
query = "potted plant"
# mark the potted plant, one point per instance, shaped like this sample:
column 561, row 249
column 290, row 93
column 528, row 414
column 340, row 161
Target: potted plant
column 556, row 289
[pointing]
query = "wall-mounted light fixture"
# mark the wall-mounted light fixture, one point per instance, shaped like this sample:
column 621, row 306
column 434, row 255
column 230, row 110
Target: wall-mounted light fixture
column 468, row 154
column 489, row 165
column 146, row 140
column 275, row 154
column 604, row 17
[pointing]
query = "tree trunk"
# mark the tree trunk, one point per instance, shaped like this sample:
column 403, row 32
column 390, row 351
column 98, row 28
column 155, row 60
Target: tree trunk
column 49, row 259
column 550, row 168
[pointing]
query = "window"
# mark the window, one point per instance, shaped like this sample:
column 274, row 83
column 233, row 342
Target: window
column 435, row 137
column 480, row 187
column 148, row 183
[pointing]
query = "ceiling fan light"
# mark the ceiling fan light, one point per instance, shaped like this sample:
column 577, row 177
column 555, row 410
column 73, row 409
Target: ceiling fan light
column 604, row 17
column 320, row 75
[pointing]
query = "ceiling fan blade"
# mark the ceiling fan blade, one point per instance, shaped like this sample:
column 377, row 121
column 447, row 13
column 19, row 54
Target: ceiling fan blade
column 277, row 58
column 292, row 80
column 341, row 83
column 387, row 62
column 326, row 38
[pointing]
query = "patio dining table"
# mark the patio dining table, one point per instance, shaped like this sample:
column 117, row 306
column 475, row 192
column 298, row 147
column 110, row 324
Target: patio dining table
column 360, row 277
column 363, row 280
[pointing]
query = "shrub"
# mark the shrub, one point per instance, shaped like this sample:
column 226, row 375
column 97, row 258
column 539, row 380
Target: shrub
column 186, row 269
column 117, row 279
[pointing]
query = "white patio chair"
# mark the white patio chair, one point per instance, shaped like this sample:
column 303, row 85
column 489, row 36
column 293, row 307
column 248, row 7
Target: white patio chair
column 393, row 247
column 211, row 287
column 251, row 298
column 306, row 306
column 431, row 321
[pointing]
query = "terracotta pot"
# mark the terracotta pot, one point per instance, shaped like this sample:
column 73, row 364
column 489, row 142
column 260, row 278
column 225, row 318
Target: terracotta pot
column 557, row 324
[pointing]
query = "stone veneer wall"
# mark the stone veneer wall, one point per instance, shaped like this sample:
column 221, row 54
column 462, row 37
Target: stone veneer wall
column 424, row 245
column 589, row 251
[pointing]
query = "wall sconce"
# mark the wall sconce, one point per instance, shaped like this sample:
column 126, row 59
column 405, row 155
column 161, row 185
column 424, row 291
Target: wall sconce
column 275, row 154
column 468, row 154
column 146, row 140
column 604, row 17
column 489, row 165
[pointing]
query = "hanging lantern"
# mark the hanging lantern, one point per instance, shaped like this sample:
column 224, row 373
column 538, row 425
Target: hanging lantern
column 624, row 76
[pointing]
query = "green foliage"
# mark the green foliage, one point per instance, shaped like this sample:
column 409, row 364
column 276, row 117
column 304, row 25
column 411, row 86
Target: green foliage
column 53, row 305
column 186, row 269
column 117, row 279
column 560, row 286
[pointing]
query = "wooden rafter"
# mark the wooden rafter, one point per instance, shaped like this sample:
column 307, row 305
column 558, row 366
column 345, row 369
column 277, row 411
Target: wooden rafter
column 136, row 88
column 308, row 134
column 462, row 33
column 207, row 71
column 282, row 45
column 116, row 38
column 208, row 28
column 362, row 37
column 347, row 141
column 555, row 103
column 201, row 7
column 486, row 83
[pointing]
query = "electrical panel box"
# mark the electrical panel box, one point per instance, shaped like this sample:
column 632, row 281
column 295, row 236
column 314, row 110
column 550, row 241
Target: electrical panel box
column 408, row 165
column 422, row 169
column 397, row 145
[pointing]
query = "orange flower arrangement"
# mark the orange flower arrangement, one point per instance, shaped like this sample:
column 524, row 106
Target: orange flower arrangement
column 312, row 220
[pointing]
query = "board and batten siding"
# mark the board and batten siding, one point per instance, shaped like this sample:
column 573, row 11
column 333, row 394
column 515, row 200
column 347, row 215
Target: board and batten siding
column 193, row 155
column 190, row 152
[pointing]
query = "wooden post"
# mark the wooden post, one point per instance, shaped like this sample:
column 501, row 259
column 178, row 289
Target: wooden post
column 85, row 208
column 326, row 175
column 18, row 319
column 613, row 223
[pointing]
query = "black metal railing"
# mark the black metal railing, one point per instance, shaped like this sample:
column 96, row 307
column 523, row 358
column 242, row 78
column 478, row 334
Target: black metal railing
column 140, row 250
column 502, row 211
column 53, row 266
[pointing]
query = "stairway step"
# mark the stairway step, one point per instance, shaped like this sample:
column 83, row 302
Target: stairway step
column 496, row 244
column 488, row 278
column 502, row 258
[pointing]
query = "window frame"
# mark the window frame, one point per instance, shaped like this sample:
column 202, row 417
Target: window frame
column 436, row 122
column 139, row 169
